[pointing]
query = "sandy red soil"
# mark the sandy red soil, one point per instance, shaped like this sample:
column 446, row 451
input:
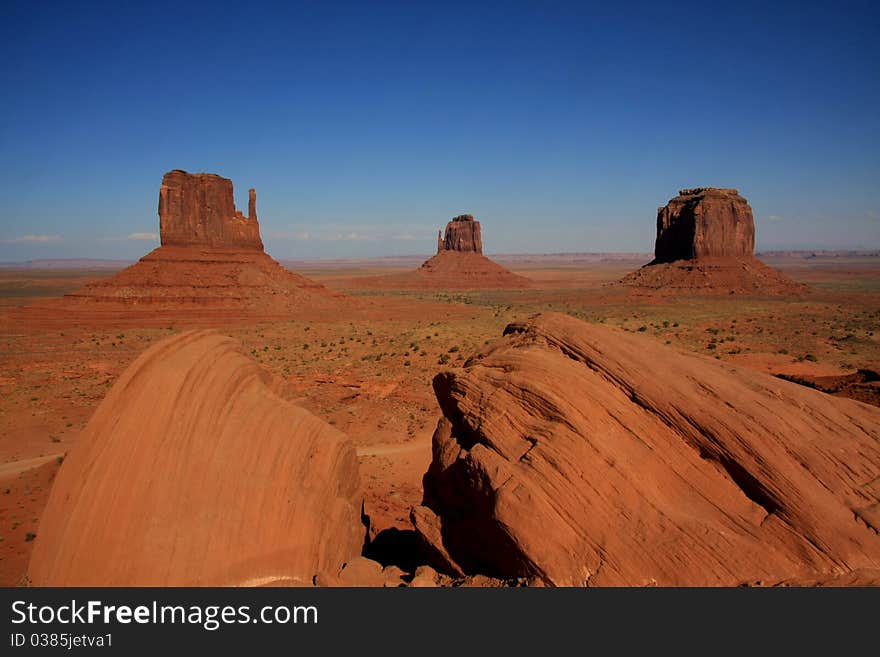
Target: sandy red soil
column 368, row 371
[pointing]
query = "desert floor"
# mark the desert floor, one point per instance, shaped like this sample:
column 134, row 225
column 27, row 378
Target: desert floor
column 370, row 375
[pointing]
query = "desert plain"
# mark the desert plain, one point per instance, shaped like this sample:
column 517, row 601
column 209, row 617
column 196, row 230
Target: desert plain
column 369, row 372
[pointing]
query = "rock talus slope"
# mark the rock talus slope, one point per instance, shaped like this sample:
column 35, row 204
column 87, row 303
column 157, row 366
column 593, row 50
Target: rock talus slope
column 576, row 454
column 194, row 472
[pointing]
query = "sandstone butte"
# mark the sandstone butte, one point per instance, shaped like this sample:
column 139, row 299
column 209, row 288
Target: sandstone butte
column 459, row 264
column 198, row 210
column 193, row 471
column 210, row 263
column 572, row 454
column 706, row 243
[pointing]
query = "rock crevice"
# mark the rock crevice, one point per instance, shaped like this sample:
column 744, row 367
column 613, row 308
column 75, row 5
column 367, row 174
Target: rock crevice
column 619, row 471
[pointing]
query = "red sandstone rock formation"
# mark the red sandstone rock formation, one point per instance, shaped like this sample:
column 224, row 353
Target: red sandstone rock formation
column 458, row 265
column 199, row 210
column 211, row 259
column 706, row 222
column 572, row 453
column 705, row 244
column 463, row 234
column 194, row 472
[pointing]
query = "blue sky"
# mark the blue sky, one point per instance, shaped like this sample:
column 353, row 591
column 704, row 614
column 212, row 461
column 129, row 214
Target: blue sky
column 365, row 126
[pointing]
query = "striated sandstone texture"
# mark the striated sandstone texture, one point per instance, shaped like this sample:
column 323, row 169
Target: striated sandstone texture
column 194, row 472
column 573, row 454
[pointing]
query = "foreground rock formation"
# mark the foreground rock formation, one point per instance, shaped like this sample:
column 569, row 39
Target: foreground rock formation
column 194, row 472
column 211, row 260
column 706, row 243
column 576, row 454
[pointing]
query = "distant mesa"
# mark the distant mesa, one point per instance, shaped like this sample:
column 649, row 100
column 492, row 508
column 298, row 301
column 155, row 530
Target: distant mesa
column 570, row 453
column 459, row 264
column 199, row 210
column 210, row 264
column 706, row 222
column 706, row 243
column 195, row 470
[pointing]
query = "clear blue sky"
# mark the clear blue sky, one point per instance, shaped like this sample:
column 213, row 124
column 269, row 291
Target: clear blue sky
column 365, row 126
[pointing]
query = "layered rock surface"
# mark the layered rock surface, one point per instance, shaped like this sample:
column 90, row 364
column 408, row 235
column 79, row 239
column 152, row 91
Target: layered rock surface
column 192, row 278
column 194, row 472
column 466, row 270
column 576, row 454
column 712, row 276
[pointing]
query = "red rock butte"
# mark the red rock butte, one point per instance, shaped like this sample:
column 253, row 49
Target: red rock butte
column 706, row 222
column 463, row 235
column 210, row 267
column 458, row 265
column 198, row 210
column 706, row 243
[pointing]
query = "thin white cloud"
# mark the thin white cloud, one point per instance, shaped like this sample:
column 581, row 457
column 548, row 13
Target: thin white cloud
column 350, row 236
column 25, row 239
column 775, row 218
column 341, row 232
column 143, row 236
column 298, row 235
